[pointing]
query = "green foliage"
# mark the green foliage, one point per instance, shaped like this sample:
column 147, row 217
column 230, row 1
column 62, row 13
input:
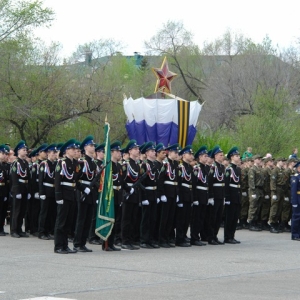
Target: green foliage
column 221, row 137
column 272, row 128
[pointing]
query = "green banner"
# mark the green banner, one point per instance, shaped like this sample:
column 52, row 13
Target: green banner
column 105, row 217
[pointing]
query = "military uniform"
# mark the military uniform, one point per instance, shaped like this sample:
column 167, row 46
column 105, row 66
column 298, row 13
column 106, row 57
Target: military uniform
column 277, row 185
column 185, row 193
column 232, row 198
column 20, row 175
column 245, row 198
column 216, row 195
column 295, row 200
column 4, row 189
column 256, row 195
column 200, row 199
column 168, row 202
column 47, row 196
column 286, row 206
column 149, row 200
column 67, row 174
column 265, row 208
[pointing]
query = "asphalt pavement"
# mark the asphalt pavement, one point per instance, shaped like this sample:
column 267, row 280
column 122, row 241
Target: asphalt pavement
column 263, row 266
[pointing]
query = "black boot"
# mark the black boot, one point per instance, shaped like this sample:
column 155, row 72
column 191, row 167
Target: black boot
column 273, row 228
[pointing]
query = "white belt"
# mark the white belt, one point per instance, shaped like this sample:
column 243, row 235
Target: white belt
column 48, row 184
column 187, row 185
column 199, row 187
column 235, row 185
column 150, row 188
column 2, row 183
column 23, row 181
column 171, row 182
column 68, row 183
column 130, row 184
column 115, row 187
column 218, row 184
column 85, row 182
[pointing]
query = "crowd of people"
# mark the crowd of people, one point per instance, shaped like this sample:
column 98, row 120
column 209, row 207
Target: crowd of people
column 159, row 193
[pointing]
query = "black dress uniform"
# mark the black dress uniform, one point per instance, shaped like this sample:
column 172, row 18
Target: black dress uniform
column 149, row 201
column 20, row 175
column 185, row 191
column 4, row 190
column 200, row 199
column 67, row 174
column 131, row 173
column 85, row 208
column 232, row 198
column 168, row 206
column 216, row 191
column 47, row 195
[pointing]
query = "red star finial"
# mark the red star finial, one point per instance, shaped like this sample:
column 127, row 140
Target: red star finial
column 164, row 78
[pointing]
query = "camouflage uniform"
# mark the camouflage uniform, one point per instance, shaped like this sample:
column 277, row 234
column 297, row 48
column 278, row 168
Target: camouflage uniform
column 256, row 195
column 277, row 185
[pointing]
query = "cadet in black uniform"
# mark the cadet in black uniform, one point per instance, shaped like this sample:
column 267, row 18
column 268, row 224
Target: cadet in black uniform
column 89, row 170
column 4, row 187
column 149, row 197
column 20, row 175
column 200, row 197
column 216, row 194
column 131, row 173
column 232, row 196
column 67, row 173
column 47, row 194
column 185, row 190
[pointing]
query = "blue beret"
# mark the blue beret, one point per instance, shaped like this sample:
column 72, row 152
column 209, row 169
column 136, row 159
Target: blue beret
column 186, row 149
column 3, row 149
column 89, row 140
column 202, row 150
column 52, row 147
column 160, row 147
column 19, row 146
column 233, row 151
column 215, row 151
column 148, row 146
column 41, row 148
column 174, row 147
column 131, row 144
column 100, row 148
column 115, row 146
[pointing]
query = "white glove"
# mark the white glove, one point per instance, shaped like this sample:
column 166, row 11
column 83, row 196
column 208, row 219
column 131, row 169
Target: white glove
column 158, row 200
column 295, row 205
column 286, row 199
column 180, row 204
column 28, row 197
column 177, row 199
column 227, row 202
column 196, row 203
column 87, row 190
column 267, row 197
column 42, row 197
column 19, row 196
column 131, row 191
column 121, row 204
column 163, row 198
column 60, row 201
column 36, row 196
column 5, row 199
column 97, row 201
column 244, row 194
column 145, row 202
column 274, row 197
column 211, row 201
column 253, row 196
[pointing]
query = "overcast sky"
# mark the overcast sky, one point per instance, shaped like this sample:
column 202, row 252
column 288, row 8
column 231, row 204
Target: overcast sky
column 133, row 22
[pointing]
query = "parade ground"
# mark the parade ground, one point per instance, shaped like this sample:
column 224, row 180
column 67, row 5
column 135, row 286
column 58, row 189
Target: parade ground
column 263, row 266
